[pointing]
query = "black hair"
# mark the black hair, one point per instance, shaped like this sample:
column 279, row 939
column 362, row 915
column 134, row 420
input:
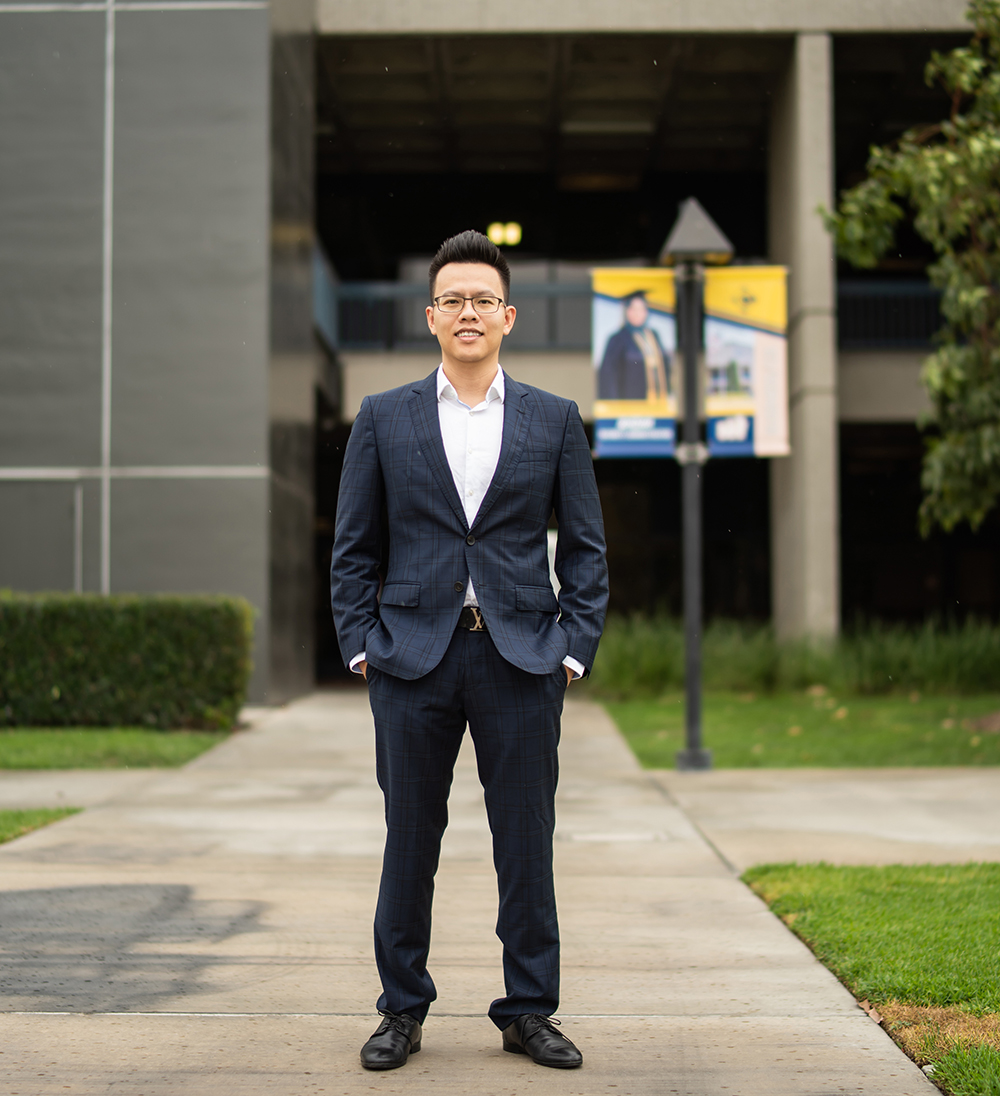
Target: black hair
column 471, row 247
column 639, row 294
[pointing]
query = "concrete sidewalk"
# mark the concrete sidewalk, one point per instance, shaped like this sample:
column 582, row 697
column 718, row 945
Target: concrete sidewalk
column 844, row 816
column 209, row 931
column 26, row 788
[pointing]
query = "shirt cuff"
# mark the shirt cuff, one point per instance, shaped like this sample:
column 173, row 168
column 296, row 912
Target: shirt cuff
column 578, row 668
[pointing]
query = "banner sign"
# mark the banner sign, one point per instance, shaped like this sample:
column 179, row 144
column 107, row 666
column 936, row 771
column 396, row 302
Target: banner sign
column 639, row 372
column 634, row 336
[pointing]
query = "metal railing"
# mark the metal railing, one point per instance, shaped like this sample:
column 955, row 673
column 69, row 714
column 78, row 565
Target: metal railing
column 887, row 315
column 871, row 314
column 390, row 315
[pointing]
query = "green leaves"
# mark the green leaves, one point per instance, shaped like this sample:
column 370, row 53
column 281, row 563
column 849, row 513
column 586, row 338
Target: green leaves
column 948, row 176
column 865, row 223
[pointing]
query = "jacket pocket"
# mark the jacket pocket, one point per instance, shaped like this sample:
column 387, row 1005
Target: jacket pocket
column 538, row 599
column 401, row 593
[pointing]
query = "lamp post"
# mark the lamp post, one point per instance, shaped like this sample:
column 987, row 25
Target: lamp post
column 694, row 241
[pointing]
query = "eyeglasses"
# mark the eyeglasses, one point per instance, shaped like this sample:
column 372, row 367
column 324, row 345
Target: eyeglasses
column 482, row 305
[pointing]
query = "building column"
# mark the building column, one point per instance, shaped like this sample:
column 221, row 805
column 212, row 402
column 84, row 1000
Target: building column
column 805, row 553
column 296, row 366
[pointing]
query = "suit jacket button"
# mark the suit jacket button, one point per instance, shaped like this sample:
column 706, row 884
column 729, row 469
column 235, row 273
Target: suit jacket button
column 470, row 539
column 459, row 587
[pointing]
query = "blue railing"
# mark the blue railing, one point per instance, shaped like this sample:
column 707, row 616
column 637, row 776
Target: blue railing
column 871, row 314
column 390, row 315
column 887, row 315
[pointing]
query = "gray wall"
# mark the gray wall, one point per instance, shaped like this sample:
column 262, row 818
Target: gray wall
column 190, row 232
column 51, row 180
column 177, row 497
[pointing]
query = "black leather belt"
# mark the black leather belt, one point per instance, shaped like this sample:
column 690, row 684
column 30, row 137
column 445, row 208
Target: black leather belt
column 471, row 619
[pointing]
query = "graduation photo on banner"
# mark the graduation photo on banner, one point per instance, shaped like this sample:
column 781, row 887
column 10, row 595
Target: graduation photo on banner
column 634, row 345
column 638, row 373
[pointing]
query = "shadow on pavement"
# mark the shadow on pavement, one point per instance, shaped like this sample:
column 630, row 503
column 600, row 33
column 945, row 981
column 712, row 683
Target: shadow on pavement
column 113, row 948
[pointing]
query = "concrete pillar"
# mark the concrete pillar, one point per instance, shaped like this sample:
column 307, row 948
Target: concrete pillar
column 296, row 366
column 804, row 487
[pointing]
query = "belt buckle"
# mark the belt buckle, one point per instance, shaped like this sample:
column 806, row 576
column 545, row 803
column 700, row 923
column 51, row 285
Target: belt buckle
column 480, row 625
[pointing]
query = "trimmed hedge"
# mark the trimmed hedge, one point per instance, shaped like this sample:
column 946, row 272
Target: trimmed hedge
column 126, row 660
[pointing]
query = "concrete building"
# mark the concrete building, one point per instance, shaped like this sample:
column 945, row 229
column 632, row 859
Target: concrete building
column 157, row 359
column 171, row 420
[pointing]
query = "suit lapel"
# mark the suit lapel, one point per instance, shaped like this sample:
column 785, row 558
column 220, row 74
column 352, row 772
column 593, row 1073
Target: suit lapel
column 427, row 426
column 516, row 417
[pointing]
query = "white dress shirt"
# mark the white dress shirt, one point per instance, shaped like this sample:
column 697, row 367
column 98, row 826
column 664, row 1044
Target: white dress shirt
column 472, row 437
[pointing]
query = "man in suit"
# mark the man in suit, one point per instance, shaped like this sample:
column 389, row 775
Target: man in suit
column 635, row 365
column 465, row 629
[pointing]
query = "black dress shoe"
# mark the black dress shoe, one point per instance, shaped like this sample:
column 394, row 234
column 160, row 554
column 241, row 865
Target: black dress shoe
column 534, row 1035
column 395, row 1039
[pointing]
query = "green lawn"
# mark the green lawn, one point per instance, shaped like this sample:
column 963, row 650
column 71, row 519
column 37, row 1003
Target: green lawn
column 17, row 823
column 101, row 747
column 815, row 728
column 919, row 944
column 969, row 1071
column 925, row 935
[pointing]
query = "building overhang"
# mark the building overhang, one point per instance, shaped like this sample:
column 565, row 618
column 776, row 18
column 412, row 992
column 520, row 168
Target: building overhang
column 597, row 16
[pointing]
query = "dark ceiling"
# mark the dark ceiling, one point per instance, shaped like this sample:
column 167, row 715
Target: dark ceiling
column 598, row 112
column 880, row 92
column 589, row 141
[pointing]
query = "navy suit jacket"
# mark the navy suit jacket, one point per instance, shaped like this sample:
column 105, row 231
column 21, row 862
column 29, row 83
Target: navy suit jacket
column 396, row 457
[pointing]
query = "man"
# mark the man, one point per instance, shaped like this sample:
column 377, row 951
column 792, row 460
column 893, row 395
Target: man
column 469, row 465
column 634, row 366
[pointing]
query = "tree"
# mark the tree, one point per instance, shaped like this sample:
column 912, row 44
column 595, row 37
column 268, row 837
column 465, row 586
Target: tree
column 948, row 176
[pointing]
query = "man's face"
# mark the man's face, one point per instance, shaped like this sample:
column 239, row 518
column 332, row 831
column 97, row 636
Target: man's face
column 637, row 312
column 469, row 337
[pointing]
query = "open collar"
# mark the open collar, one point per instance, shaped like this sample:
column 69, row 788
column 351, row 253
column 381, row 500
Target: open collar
column 446, row 390
column 424, row 415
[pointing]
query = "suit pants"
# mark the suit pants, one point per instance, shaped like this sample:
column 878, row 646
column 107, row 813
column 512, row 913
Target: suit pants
column 514, row 719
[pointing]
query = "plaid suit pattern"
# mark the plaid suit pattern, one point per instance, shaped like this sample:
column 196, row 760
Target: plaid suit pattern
column 513, row 717
column 396, row 456
column 427, row 681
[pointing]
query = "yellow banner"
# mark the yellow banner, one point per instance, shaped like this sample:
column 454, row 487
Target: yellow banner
column 638, row 372
column 657, row 283
column 665, row 408
column 751, row 295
